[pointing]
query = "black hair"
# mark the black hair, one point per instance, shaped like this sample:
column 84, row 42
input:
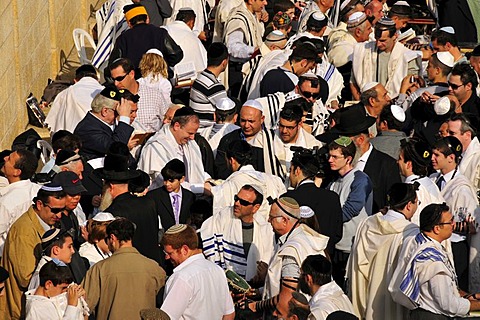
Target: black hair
column 292, row 112
column 216, row 53
column 174, row 169
column 122, row 228
column 319, row 268
column 65, row 140
column 127, row 95
column 241, row 151
column 431, row 216
column 419, row 167
column 387, row 116
column 307, row 162
column 44, row 195
column 125, row 63
column 57, row 274
column 27, row 163
column 443, row 37
column 185, row 15
column 141, row 18
column 59, row 241
column 400, row 194
column 86, row 70
column 258, row 196
column 449, row 145
column 282, row 5
column 380, row 28
column 140, row 183
column 466, row 73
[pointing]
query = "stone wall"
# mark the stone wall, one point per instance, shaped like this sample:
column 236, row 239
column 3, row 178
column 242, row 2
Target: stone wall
column 35, row 39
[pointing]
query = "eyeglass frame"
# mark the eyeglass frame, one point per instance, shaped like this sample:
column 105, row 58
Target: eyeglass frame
column 242, row 201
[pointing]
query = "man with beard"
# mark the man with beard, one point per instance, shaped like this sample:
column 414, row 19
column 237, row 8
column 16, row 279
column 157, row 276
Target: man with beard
column 316, row 281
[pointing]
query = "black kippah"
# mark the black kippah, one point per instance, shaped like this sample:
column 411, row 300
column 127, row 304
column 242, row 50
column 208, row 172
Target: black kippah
column 185, row 111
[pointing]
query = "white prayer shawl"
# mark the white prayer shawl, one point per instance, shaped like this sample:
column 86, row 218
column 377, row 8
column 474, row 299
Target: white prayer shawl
column 470, row 164
column 371, row 264
column 193, row 49
column 328, row 299
column 224, row 193
column 339, row 33
column 222, row 13
column 309, row 9
column 161, row 148
column 272, row 60
column 111, row 23
column 250, row 68
column 198, row 7
column 427, row 193
column 273, row 103
column 365, row 57
column 242, row 19
column 340, row 52
column 334, row 78
column 273, row 152
column 302, row 242
column 72, row 104
column 222, row 239
column 424, row 271
column 215, row 140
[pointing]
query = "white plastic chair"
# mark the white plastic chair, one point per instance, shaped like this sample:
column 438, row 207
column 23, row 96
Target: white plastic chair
column 46, row 149
column 79, row 36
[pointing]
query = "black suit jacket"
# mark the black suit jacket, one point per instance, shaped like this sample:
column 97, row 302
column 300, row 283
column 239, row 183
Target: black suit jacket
column 383, row 171
column 97, row 136
column 164, row 209
column 141, row 211
column 327, row 208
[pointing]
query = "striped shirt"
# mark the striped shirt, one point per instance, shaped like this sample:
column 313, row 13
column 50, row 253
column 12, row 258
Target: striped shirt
column 206, row 91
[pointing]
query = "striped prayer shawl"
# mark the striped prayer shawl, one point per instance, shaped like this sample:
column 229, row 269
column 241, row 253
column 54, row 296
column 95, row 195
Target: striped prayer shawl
column 410, row 285
column 223, row 253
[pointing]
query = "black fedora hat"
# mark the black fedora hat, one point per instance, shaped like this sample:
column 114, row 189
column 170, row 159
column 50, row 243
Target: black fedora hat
column 352, row 120
column 115, row 168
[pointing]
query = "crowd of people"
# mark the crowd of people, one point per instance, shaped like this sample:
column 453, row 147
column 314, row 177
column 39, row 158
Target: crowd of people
column 287, row 160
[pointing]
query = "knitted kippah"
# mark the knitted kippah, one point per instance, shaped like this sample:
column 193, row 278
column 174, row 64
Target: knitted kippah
column 176, row 229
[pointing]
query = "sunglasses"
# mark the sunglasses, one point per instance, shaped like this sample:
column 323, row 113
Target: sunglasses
column 55, row 210
column 242, row 202
column 454, row 86
column 309, row 95
column 120, row 78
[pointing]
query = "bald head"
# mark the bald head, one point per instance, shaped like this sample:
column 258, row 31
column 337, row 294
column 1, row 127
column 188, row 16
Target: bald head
column 251, row 120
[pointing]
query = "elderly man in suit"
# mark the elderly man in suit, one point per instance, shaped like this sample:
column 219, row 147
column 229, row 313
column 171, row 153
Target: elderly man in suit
column 99, row 129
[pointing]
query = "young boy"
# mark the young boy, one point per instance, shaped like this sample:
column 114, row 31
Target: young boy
column 55, row 298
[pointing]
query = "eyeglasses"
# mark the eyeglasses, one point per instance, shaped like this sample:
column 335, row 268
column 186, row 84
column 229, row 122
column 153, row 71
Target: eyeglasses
column 444, row 223
column 242, row 202
column 120, row 78
column 286, row 127
column 55, row 210
column 454, row 86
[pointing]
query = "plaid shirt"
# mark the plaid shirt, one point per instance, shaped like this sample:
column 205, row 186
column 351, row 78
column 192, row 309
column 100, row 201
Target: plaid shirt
column 151, row 108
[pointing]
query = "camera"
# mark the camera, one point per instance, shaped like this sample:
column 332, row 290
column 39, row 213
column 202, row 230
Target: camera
column 44, row 178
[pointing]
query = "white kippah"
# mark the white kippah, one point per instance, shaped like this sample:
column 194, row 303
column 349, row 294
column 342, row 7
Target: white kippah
column 225, row 104
column 442, row 106
column 103, row 216
column 306, row 212
column 398, row 113
column 369, row 86
column 401, row 3
column 176, row 229
column 384, row 21
column 356, row 19
column 253, row 104
column 318, row 15
column 257, row 188
column 446, row 58
column 155, row 51
column 448, row 30
column 185, row 9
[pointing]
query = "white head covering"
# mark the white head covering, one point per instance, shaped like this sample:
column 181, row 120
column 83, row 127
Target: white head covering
column 401, row 3
column 225, row 104
column 156, row 51
column 356, row 19
column 306, row 212
column 103, row 216
column 398, row 112
column 448, row 30
column 446, row 58
column 369, row 86
column 442, row 106
column 253, row 104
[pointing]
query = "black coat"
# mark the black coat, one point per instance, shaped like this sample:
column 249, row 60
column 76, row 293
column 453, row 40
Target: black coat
column 327, row 208
column 133, row 43
column 97, row 136
column 164, row 209
column 141, row 211
column 383, row 171
column 157, row 10
column 456, row 13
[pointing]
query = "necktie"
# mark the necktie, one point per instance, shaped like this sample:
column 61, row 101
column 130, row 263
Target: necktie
column 176, row 207
column 440, row 182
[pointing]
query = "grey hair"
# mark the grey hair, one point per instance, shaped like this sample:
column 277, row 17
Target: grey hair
column 365, row 96
column 100, row 102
